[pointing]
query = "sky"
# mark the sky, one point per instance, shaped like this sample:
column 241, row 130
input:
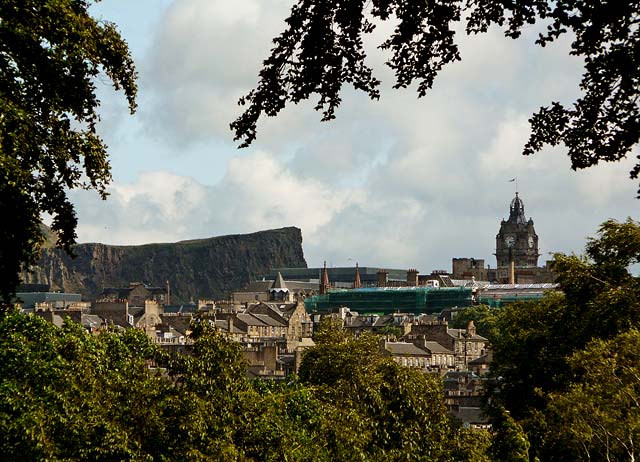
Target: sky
column 403, row 182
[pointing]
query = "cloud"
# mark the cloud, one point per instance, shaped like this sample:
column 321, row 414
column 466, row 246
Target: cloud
column 402, row 182
column 257, row 192
column 206, row 55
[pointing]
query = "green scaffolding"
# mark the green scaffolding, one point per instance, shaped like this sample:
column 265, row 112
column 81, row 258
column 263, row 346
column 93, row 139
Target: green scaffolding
column 386, row 300
column 497, row 302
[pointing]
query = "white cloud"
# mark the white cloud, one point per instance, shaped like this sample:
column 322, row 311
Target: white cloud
column 400, row 182
column 257, row 192
column 205, row 56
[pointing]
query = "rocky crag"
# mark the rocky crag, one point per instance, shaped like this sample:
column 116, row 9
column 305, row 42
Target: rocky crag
column 203, row 268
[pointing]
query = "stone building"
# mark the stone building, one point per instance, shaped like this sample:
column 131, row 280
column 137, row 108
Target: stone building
column 427, row 356
column 465, row 344
column 137, row 293
column 274, row 290
column 294, row 315
column 517, row 254
column 121, row 313
column 517, row 240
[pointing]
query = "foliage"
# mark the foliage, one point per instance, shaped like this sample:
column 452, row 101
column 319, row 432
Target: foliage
column 203, row 408
column 391, row 332
column 599, row 415
column 51, row 53
column 471, row 444
column 509, row 442
column 67, row 395
column 566, row 387
column 322, row 49
column 484, row 318
column 396, row 412
column 538, row 344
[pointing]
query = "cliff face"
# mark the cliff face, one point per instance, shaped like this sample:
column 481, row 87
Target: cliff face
column 204, row 268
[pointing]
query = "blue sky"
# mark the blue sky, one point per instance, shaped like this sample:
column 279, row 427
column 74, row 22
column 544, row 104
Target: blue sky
column 402, row 182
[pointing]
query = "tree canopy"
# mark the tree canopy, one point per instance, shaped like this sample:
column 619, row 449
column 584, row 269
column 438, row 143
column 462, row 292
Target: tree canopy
column 564, row 366
column 322, row 49
column 66, row 394
column 51, row 53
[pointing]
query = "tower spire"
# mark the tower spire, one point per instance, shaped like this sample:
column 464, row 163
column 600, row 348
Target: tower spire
column 516, row 210
column 357, row 283
column 324, row 281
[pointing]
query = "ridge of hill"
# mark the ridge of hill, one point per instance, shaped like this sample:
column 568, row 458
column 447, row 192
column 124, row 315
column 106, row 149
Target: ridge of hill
column 199, row 268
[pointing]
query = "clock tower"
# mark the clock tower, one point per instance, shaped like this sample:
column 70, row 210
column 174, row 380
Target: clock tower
column 517, row 241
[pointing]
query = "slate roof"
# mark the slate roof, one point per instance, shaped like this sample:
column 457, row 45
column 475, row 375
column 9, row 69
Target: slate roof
column 293, row 286
column 181, row 309
column 250, row 320
column 180, row 323
column 435, row 347
column 455, row 375
column 92, row 321
column 404, row 349
column 462, row 333
column 136, row 311
column 484, row 359
column 223, row 325
column 268, row 320
column 282, row 311
column 162, row 328
column 278, row 284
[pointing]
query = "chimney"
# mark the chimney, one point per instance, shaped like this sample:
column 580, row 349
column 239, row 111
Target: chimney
column 168, row 289
column 471, row 328
column 412, row 277
column 383, row 278
column 512, row 272
column 230, row 324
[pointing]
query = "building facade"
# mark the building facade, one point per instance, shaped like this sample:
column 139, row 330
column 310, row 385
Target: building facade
column 516, row 252
column 517, row 240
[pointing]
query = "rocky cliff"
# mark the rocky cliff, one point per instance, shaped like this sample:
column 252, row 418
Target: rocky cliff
column 203, row 268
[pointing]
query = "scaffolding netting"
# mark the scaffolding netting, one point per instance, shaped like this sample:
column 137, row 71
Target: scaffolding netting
column 385, row 300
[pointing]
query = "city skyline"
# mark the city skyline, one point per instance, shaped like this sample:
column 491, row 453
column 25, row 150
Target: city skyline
column 401, row 181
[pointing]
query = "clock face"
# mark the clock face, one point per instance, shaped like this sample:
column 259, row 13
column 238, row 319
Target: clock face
column 510, row 241
column 531, row 241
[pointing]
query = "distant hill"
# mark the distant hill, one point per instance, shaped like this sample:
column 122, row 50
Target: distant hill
column 203, row 268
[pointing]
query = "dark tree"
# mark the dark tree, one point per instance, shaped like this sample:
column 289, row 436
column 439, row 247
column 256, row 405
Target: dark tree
column 51, row 53
column 546, row 349
column 322, row 49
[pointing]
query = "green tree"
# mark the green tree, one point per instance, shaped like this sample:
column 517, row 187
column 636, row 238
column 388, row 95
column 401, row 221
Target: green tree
column 69, row 395
column 484, row 318
column 205, row 407
column 322, row 49
column 599, row 414
column 379, row 410
column 66, row 394
column 509, row 442
column 535, row 341
column 51, row 53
